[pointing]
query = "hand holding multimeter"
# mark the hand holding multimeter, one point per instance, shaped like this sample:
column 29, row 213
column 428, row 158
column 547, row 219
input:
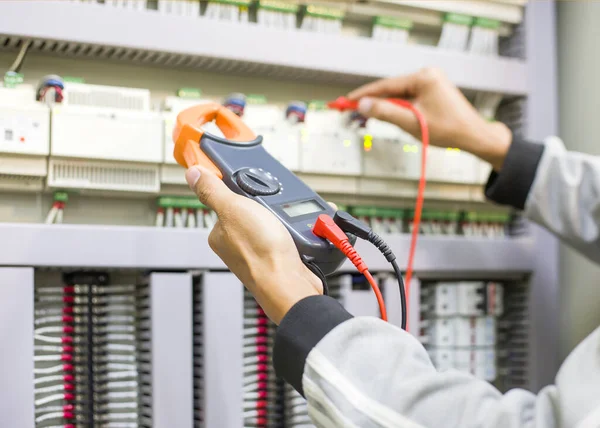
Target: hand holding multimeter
column 247, row 169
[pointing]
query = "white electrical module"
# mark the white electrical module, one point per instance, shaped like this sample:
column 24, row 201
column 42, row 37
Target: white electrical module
column 24, row 139
column 449, row 165
column 328, row 146
column 281, row 138
column 389, row 151
column 103, row 123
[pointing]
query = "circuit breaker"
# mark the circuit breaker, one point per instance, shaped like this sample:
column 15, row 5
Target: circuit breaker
column 328, row 146
column 460, row 323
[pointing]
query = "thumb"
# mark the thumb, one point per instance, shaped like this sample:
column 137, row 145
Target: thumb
column 383, row 110
column 209, row 188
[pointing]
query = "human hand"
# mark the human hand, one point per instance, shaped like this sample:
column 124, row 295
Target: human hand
column 452, row 120
column 255, row 246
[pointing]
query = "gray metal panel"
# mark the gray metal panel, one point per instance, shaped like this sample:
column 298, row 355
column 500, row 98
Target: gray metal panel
column 172, row 350
column 542, row 121
column 161, row 248
column 223, row 323
column 16, row 358
column 315, row 57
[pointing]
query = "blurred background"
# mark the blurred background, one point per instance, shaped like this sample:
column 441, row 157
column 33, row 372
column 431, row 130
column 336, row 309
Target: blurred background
column 112, row 300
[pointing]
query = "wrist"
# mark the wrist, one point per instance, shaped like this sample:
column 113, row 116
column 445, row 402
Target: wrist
column 278, row 292
column 489, row 142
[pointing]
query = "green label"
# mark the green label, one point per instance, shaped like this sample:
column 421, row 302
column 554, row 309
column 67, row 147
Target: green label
column 389, row 22
column 12, row 79
column 317, row 105
column 487, row 23
column 256, row 99
column 456, row 18
column 179, row 202
column 278, row 6
column 233, row 2
column 324, row 12
column 72, row 79
column 61, row 196
column 189, row 93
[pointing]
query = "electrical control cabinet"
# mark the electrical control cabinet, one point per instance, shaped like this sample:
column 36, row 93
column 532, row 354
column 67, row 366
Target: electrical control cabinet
column 109, row 134
column 389, row 151
column 281, row 138
column 328, row 146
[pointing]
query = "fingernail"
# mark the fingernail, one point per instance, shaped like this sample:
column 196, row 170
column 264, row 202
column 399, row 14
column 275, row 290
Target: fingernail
column 192, row 175
column 364, row 105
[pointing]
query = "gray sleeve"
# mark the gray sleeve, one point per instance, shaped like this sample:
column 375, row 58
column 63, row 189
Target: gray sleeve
column 555, row 188
column 565, row 197
column 367, row 373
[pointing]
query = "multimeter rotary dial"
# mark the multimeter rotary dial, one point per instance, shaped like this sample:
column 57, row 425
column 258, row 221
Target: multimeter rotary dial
column 257, row 182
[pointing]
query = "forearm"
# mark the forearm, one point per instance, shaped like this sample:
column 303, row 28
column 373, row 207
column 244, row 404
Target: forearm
column 556, row 188
column 366, row 372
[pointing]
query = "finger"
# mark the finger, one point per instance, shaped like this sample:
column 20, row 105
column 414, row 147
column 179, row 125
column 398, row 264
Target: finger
column 400, row 86
column 332, row 205
column 388, row 112
column 209, row 188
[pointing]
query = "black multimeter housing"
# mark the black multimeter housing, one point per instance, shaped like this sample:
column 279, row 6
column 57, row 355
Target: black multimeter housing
column 249, row 170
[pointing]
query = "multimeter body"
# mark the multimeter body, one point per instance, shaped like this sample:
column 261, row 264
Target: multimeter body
column 249, row 170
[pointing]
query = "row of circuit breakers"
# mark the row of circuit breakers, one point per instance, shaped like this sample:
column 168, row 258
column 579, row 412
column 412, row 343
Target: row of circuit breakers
column 93, row 352
column 109, row 138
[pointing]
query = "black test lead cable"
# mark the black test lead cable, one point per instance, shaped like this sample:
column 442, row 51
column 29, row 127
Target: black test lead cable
column 356, row 227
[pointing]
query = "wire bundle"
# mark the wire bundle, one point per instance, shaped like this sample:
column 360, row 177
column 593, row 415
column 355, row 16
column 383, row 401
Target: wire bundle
column 295, row 112
column 257, row 384
column 50, row 85
column 54, row 349
column 322, row 20
column 227, row 10
column 115, row 347
column 55, row 215
column 198, row 355
column 179, row 7
column 89, row 337
column 184, row 212
column 276, row 14
column 455, row 32
column 236, row 102
column 484, row 37
column 387, row 29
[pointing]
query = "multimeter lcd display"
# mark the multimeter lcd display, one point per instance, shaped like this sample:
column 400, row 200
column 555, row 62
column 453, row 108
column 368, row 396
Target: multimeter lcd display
column 297, row 209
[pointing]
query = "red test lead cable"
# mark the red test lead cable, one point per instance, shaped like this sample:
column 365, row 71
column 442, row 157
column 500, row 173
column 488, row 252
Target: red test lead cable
column 342, row 104
column 326, row 228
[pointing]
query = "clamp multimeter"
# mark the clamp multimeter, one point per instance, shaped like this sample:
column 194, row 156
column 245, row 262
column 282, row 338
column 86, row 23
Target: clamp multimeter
column 243, row 164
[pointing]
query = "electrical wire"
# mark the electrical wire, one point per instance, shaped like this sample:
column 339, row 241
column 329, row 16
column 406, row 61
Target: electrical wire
column 402, row 293
column 20, row 59
column 326, row 228
column 342, row 104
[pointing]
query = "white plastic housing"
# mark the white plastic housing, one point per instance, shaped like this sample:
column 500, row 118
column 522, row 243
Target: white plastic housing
column 113, row 97
column 451, row 166
column 280, row 137
column 328, row 146
column 25, row 129
column 393, row 152
column 111, row 134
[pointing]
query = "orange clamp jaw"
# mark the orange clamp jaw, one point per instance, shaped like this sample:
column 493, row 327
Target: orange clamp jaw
column 188, row 133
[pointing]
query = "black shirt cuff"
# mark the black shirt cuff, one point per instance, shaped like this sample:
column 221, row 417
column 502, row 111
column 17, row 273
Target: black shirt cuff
column 301, row 329
column 511, row 185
